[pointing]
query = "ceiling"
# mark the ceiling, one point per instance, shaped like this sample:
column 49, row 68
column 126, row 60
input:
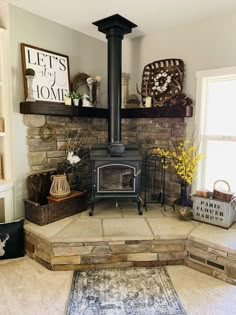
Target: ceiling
column 149, row 15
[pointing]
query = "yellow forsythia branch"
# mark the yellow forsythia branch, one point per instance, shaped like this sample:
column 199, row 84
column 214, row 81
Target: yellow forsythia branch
column 184, row 159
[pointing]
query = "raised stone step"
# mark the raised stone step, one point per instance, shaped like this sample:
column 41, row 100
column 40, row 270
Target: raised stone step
column 78, row 242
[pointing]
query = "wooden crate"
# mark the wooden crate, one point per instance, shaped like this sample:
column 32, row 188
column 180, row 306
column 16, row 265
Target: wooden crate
column 213, row 211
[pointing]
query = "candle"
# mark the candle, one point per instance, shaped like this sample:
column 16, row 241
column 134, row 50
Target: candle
column 148, row 101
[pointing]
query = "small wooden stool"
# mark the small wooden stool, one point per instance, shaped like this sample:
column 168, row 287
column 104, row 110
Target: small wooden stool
column 73, row 194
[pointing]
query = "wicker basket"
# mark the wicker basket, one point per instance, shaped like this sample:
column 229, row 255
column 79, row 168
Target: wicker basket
column 45, row 214
column 213, row 211
column 223, row 195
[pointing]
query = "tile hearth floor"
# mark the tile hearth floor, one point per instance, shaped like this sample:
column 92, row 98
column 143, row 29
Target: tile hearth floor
column 117, row 237
column 111, row 223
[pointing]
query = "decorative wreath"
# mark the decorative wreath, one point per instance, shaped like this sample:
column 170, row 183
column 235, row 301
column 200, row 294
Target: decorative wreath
column 162, row 81
column 79, row 80
column 47, row 132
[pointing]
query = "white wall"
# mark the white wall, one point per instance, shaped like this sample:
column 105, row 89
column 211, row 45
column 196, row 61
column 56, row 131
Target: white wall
column 131, row 62
column 86, row 54
column 208, row 44
column 4, row 16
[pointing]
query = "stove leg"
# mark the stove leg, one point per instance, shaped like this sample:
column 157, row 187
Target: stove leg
column 92, row 207
column 139, row 200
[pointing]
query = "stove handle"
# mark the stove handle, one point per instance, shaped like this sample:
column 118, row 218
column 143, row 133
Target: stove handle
column 138, row 173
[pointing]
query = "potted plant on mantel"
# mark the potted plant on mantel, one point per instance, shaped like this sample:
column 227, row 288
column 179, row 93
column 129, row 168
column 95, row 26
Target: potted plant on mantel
column 72, row 96
column 76, row 96
column 30, row 74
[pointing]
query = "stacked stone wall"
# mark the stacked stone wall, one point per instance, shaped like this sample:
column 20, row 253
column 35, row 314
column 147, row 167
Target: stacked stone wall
column 48, row 148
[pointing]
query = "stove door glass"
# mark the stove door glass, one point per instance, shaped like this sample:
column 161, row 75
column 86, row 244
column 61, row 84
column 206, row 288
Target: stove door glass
column 116, row 178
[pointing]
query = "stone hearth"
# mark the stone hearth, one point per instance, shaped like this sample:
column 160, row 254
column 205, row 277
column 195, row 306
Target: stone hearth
column 116, row 238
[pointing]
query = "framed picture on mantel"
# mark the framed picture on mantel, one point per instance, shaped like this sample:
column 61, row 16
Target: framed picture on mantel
column 51, row 81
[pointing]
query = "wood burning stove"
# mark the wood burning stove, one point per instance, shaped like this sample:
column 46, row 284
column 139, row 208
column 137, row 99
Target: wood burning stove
column 115, row 168
column 115, row 176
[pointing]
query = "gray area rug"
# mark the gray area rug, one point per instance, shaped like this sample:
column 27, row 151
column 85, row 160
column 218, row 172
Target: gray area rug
column 136, row 291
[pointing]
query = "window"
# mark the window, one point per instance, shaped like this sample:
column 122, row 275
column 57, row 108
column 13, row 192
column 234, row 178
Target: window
column 216, row 122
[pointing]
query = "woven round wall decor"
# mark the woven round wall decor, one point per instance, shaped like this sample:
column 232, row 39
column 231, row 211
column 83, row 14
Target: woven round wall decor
column 162, row 79
column 47, row 132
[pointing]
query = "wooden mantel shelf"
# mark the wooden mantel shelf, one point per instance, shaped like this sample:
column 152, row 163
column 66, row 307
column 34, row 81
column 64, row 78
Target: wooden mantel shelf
column 154, row 112
column 60, row 109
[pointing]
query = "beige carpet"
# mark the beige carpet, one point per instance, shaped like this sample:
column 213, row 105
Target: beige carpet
column 27, row 288
column 201, row 294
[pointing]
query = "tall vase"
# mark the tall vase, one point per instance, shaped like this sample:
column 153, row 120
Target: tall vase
column 98, row 86
column 30, row 95
column 90, row 86
column 184, row 192
column 184, row 199
column 124, row 90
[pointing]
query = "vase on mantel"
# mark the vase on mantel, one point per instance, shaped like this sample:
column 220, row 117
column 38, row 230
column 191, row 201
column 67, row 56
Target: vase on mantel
column 184, row 199
column 30, row 92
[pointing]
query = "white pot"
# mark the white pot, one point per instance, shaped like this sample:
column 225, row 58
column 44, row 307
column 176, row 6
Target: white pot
column 76, row 101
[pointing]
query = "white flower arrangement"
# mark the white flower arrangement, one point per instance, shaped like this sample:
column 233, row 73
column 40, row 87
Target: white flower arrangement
column 159, row 86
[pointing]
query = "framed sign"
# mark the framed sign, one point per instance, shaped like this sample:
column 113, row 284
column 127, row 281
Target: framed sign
column 51, row 81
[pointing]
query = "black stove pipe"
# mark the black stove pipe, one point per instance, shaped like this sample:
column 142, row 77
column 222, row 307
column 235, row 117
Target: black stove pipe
column 114, row 85
column 114, row 27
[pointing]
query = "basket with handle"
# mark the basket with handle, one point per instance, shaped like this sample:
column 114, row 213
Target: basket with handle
column 223, row 195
